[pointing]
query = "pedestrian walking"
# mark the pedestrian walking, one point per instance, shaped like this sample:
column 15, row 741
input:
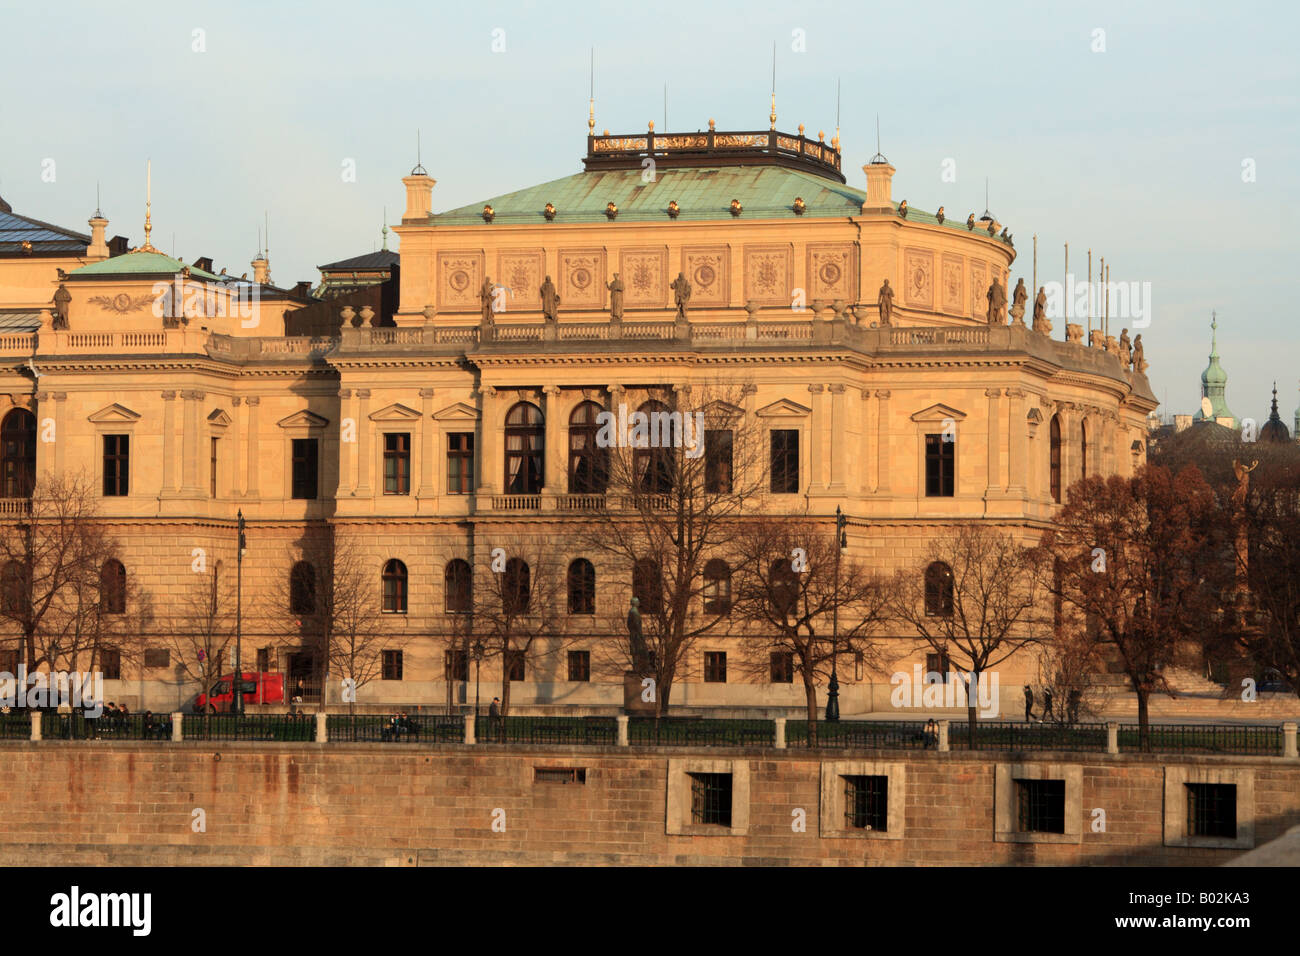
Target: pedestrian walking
column 1047, row 704
column 1072, row 705
column 1029, row 703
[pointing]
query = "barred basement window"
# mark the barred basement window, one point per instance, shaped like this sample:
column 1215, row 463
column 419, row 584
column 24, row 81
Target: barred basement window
column 1212, row 810
column 1040, row 806
column 782, row 663
column 866, row 803
column 157, row 657
column 392, row 665
column 715, row 667
column 560, row 775
column 579, row 666
column 711, row 798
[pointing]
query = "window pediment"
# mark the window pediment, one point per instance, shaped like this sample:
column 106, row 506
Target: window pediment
column 395, row 412
column 938, row 413
column 219, row 418
column 303, row 419
column 784, row 408
column 460, row 412
column 114, row 414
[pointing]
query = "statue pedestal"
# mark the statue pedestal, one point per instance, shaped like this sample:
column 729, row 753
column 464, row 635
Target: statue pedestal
column 632, row 691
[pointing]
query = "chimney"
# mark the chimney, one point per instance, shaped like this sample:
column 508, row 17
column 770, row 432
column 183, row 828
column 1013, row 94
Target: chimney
column 303, row 289
column 204, row 263
column 118, row 246
column 98, row 248
column 419, row 197
column 261, row 269
column 879, row 177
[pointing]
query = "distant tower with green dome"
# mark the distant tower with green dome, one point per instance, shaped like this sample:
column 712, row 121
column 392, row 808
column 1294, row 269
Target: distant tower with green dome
column 1213, row 382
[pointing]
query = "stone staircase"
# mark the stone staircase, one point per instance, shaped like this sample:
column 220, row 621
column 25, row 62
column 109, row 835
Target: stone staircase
column 1193, row 696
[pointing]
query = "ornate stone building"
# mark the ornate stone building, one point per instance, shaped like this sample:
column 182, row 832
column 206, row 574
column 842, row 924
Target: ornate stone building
column 409, row 437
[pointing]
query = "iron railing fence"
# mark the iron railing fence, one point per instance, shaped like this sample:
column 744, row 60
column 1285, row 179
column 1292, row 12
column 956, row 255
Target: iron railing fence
column 700, row 732
column 422, row 728
column 1203, row 739
column 1009, row 735
column 601, row 731
column 78, row 726
column 16, row 725
column 263, row 727
column 860, row 734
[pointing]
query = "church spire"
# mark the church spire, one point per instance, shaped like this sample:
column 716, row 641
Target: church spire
column 1214, row 381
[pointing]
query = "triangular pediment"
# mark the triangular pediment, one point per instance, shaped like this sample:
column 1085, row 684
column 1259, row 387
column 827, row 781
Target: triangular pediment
column 395, row 412
column 460, row 412
column 114, row 414
column 938, row 413
column 303, row 419
column 219, row 417
column 783, row 408
column 719, row 409
column 1034, row 416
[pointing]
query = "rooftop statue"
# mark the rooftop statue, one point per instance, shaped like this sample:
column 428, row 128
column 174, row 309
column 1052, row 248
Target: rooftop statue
column 1041, row 322
column 682, row 294
column 885, row 302
column 550, row 300
column 615, row 287
column 997, row 297
column 1019, row 297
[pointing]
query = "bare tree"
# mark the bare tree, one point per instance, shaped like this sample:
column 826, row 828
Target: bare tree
column 788, row 587
column 519, row 605
column 678, row 471
column 1131, row 557
column 977, row 602
column 201, row 628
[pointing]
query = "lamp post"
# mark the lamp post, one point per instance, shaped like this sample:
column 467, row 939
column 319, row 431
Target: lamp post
column 237, row 685
column 478, row 661
column 833, row 690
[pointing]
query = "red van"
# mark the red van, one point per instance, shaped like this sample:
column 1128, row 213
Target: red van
column 258, row 688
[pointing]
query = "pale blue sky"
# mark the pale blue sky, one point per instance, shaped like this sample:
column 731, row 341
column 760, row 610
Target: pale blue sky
column 1136, row 152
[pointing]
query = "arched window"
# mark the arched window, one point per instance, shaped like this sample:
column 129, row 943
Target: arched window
column 302, row 588
column 783, row 587
column 458, row 586
column 18, row 454
column 525, row 449
column 582, row 587
column 394, row 587
column 588, row 462
column 1083, row 449
column 516, row 586
column 1054, row 439
column 652, row 458
column 717, row 587
column 112, row 587
column 648, row 586
column 938, row 590
column 13, row 590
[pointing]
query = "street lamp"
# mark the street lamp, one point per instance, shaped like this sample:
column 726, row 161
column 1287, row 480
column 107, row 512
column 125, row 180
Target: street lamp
column 237, row 685
column 833, row 690
column 478, row 660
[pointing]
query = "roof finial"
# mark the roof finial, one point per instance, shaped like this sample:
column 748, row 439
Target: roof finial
column 1214, row 334
column 591, row 97
column 835, row 143
column 98, row 212
column 385, row 229
column 148, row 206
column 879, row 157
column 419, row 169
column 772, row 117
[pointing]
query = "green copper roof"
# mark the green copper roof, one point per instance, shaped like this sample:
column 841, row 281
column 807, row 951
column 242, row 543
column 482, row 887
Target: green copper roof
column 702, row 193
column 1214, row 381
column 139, row 263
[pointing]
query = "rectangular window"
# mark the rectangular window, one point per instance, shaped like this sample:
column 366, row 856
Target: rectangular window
column 117, row 465
column 717, row 461
column 1212, row 810
column 785, row 461
column 782, row 667
column 1040, row 806
column 212, row 471
column 715, row 667
column 937, row 664
column 263, row 660
column 110, row 663
column 579, row 665
column 560, row 775
column 460, row 462
column 9, row 661
column 305, row 462
column 456, row 664
column 940, row 467
column 392, row 665
column 515, row 665
column 711, row 798
column 157, row 657
column 397, row 463
column 866, row 802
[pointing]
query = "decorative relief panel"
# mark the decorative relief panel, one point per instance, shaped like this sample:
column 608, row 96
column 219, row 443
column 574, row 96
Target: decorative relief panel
column 952, row 284
column 459, row 276
column 979, row 287
column 707, row 270
column 918, row 278
column 582, row 279
column 520, row 271
column 769, row 271
column 645, row 277
column 831, row 272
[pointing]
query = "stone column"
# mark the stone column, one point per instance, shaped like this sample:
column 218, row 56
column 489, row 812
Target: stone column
column 867, row 456
column 364, row 455
column 169, row 444
column 747, row 396
column 837, row 436
column 429, row 450
column 254, row 403
column 60, row 420
column 817, row 438
column 236, row 435
column 882, row 441
column 490, row 430
column 190, row 462
column 1018, row 439
column 555, row 478
column 994, row 446
column 347, row 449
